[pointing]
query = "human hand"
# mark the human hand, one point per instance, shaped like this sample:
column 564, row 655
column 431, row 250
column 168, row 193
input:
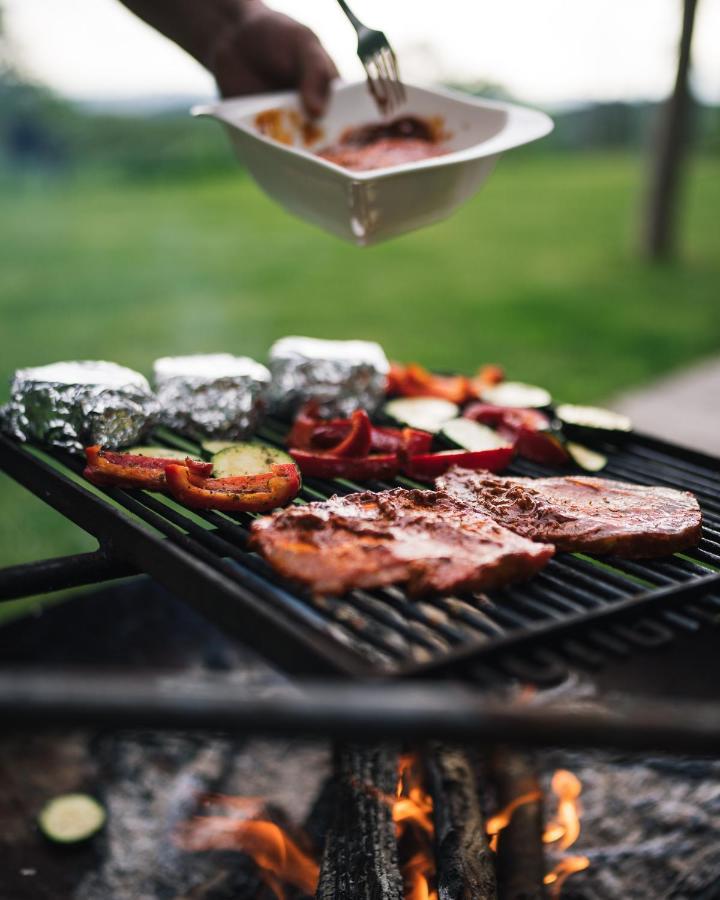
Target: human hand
column 268, row 51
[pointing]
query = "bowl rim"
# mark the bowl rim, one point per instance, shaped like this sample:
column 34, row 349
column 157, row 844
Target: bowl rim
column 524, row 125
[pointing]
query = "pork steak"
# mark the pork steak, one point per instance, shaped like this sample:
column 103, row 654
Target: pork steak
column 580, row 513
column 426, row 540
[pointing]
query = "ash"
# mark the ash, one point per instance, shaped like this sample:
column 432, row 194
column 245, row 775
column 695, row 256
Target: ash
column 650, row 827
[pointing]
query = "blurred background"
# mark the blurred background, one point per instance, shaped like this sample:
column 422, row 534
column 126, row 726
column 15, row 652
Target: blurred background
column 128, row 230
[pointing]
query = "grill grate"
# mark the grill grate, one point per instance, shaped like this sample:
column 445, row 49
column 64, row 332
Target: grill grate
column 202, row 557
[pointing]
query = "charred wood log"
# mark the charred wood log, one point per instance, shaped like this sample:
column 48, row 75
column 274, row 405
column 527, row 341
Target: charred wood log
column 465, row 863
column 520, row 857
column 360, row 856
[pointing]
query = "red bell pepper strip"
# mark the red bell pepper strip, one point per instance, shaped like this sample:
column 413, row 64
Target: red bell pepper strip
column 107, row 468
column 430, row 465
column 507, row 417
column 541, row 447
column 485, row 377
column 414, row 380
column 312, row 433
column 364, row 468
column 240, row 493
column 528, row 428
column 357, row 443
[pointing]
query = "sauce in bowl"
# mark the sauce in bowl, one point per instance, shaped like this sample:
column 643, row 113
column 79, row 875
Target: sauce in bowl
column 378, row 146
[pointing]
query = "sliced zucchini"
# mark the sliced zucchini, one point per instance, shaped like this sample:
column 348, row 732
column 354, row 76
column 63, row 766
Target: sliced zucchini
column 592, row 417
column 162, row 452
column 587, row 459
column 213, row 447
column 423, row 413
column 517, row 394
column 248, row 459
column 71, row 818
column 472, row 435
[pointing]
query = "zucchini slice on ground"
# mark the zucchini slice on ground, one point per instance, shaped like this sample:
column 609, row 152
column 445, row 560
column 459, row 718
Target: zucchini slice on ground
column 592, row 417
column 71, row 818
column 586, row 458
column 423, row 413
column 161, row 452
column 472, row 435
column 247, row 458
column 517, row 394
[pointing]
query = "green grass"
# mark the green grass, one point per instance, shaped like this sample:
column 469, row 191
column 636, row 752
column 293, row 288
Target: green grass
column 538, row 273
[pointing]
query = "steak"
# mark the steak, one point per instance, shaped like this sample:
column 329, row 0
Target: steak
column 579, row 513
column 426, row 540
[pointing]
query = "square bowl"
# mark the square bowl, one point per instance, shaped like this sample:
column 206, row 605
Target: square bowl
column 371, row 206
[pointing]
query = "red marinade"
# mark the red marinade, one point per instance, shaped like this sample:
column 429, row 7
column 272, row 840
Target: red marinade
column 378, row 146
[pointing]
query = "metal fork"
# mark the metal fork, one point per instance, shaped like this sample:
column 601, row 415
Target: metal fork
column 379, row 62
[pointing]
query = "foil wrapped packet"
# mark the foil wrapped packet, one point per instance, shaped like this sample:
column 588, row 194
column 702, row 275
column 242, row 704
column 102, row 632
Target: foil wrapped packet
column 214, row 395
column 72, row 405
column 341, row 376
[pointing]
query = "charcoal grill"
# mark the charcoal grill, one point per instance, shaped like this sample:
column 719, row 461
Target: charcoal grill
column 583, row 608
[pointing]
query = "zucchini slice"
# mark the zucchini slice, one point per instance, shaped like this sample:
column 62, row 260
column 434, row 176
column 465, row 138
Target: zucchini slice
column 587, row 459
column 213, row 447
column 423, row 413
column 162, row 452
column 248, row 459
column 71, row 818
column 472, row 435
column 592, row 417
column 517, row 394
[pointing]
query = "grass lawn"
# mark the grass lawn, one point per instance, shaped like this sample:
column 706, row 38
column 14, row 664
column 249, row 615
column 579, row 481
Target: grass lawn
column 538, row 273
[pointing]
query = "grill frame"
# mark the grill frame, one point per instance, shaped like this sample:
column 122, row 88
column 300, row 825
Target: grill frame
column 204, row 563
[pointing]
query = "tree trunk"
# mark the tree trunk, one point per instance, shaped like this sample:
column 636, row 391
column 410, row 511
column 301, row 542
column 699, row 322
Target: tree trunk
column 661, row 216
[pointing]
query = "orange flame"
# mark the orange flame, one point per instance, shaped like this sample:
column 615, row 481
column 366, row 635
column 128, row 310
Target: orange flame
column 412, row 813
column 563, row 870
column 500, row 820
column 278, row 857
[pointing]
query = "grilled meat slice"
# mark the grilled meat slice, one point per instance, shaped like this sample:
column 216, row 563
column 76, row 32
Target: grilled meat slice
column 579, row 513
column 426, row 540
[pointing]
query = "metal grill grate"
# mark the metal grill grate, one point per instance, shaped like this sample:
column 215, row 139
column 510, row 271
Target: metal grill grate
column 202, row 557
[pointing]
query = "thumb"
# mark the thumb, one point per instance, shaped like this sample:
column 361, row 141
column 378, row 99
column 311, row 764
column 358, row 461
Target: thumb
column 317, row 71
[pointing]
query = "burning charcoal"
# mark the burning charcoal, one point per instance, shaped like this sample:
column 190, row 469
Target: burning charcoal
column 71, row 405
column 211, row 396
column 341, row 376
column 360, row 859
column 519, row 826
column 465, row 863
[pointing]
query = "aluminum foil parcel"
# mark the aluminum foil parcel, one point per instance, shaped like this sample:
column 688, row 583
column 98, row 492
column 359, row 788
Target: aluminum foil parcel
column 72, row 405
column 215, row 395
column 341, row 376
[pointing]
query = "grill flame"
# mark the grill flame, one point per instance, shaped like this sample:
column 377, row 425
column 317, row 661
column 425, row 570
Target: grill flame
column 412, row 814
column 278, row 857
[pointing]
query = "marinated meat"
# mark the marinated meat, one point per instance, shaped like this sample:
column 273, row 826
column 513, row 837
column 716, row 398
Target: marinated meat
column 426, row 540
column 379, row 145
column 579, row 513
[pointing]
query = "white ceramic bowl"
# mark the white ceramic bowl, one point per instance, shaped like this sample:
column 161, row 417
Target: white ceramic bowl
column 368, row 207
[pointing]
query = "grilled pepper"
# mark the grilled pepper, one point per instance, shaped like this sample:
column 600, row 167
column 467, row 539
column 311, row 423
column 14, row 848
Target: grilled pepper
column 107, row 468
column 414, row 380
column 528, row 428
column 309, row 432
column 241, row 493
column 375, row 467
column 427, row 466
column 358, row 440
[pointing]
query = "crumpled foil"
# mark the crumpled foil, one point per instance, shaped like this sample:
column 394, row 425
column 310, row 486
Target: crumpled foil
column 341, row 376
column 72, row 405
column 215, row 395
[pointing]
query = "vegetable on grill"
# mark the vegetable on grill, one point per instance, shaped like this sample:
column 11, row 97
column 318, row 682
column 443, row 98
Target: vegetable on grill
column 106, row 468
column 71, row 818
column 157, row 452
column 586, row 458
column 473, row 436
column 247, row 458
column 592, row 417
column 528, row 429
column 515, row 393
column 241, row 493
column 414, row 380
column 427, row 466
column 424, row 413
column 375, row 467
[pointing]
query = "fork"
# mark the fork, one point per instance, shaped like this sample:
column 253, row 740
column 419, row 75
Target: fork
column 380, row 64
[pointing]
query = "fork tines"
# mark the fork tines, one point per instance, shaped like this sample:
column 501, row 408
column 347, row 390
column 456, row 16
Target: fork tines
column 383, row 77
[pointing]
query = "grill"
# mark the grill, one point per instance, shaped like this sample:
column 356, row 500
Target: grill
column 583, row 608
